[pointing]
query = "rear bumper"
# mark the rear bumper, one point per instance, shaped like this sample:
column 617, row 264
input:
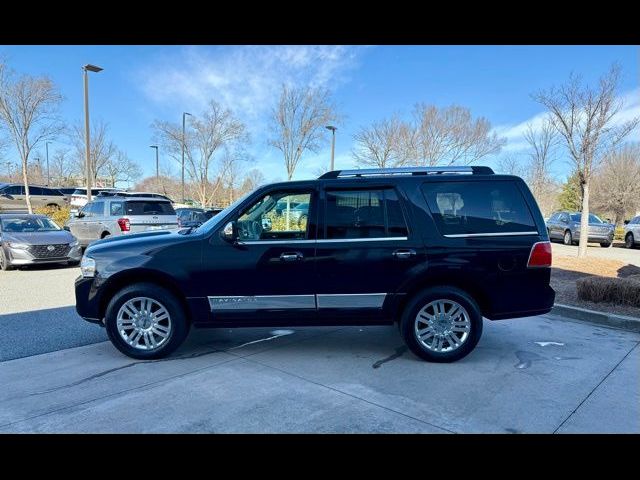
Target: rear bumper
column 544, row 301
column 604, row 237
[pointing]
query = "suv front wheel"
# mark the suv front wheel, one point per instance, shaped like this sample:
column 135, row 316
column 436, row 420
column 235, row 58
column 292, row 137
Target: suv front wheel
column 146, row 321
column 441, row 324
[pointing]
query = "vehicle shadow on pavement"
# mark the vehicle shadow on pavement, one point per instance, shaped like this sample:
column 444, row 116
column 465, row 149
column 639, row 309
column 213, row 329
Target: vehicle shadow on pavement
column 46, row 330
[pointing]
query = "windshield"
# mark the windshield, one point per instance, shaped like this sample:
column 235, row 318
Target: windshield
column 28, row 224
column 213, row 221
column 592, row 218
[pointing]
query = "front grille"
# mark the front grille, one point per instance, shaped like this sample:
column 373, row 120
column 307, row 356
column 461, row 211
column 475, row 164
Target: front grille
column 49, row 251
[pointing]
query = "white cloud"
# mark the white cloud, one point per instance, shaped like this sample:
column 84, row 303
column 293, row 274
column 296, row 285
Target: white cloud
column 247, row 79
column 515, row 133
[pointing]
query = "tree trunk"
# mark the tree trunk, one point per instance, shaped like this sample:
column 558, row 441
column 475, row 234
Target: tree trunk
column 584, row 221
column 26, row 185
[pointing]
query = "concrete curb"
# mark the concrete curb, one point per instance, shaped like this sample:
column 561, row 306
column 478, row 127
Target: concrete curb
column 601, row 318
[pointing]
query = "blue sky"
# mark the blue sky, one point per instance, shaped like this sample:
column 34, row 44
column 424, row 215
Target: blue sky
column 144, row 83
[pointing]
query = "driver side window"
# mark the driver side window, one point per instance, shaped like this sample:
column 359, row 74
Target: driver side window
column 276, row 216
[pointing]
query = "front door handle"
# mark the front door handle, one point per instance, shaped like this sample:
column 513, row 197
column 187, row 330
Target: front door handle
column 291, row 257
column 404, row 253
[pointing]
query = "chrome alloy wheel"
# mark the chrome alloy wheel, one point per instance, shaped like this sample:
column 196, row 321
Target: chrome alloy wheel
column 144, row 323
column 442, row 326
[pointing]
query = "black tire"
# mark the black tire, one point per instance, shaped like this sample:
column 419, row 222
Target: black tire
column 104, row 235
column 605, row 244
column 54, row 205
column 423, row 298
column 4, row 263
column 179, row 323
column 629, row 241
column 567, row 238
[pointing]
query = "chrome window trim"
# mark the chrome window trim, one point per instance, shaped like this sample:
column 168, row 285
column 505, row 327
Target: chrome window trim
column 322, row 240
column 491, row 234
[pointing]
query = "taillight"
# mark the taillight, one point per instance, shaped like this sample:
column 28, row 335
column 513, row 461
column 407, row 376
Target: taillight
column 540, row 255
column 124, row 224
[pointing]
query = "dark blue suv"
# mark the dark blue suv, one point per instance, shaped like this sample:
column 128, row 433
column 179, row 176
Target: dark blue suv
column 434, row 249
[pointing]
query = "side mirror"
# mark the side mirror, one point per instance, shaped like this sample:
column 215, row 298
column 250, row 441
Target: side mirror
column 626, row 222
column 230, row 232
column 66, row 227
column 7, row 196
column 79, row 215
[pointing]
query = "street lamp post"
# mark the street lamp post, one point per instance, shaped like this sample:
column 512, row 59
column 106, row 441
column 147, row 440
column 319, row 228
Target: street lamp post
column 46, row 146
column 184, row 115
column 157, row 163
column 333, row 144
column 8, row 164
column 86, row 69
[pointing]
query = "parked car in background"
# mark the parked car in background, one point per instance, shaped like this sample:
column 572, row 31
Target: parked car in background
column 194, row 217
column 120, row 215
column 34, row 239
column 435, row 249
column 111, row 193
column 13, row 198
column 79, row 196
column 67, row 192
column 565, row 226
column 632, row 232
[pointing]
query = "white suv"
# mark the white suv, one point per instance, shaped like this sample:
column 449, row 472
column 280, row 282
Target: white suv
column 632, row 232
column 79, row 197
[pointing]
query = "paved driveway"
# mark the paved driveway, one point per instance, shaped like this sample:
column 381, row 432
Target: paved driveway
column 631, row 256
column 539, row 374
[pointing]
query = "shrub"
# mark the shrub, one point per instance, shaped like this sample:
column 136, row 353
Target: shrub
column 619, row 234
column 58, row 215
column 621, row 291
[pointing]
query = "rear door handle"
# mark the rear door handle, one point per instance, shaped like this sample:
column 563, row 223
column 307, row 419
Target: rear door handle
column 404, row 253
column 291, row 257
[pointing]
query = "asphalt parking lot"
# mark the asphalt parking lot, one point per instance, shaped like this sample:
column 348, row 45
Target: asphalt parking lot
column 538, row 374
column 631, row 256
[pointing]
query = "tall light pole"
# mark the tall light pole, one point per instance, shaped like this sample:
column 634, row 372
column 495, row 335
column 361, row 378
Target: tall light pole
column 184, row 115
column 46, row 146
column 8, row 164
column 157, row 164
column 333, row 144
column 86, row 69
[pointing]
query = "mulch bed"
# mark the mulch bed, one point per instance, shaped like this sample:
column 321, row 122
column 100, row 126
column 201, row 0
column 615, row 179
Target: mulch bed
column 567, row 269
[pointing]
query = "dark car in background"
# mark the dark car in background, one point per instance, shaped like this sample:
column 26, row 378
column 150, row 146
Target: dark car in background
column 434, row 249
column 194, row 217
column 565, row 226
column 35, row 239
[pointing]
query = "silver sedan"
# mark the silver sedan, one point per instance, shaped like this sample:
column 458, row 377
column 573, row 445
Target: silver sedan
column 35, row 239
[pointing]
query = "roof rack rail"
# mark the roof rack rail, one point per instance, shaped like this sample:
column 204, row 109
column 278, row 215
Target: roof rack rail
column 365, row 172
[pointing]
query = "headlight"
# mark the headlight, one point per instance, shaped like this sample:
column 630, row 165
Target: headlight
column 73, row 244
column 88, row 267
column 22, row 246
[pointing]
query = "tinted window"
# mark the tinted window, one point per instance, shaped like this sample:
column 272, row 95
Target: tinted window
column 555, row 217
column 80, row 191
column 36, row 190
column 149, row 207
column 576, row 217
column 14, row 190
column 97, row 208
column 460, row 208
column 363, row 214
column 52, row 192
column 116, row 208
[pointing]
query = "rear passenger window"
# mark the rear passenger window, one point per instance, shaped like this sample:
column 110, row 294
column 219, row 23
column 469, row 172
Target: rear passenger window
column 117, row 208
column 364, row 214
column 461, row 208
column 149, row 207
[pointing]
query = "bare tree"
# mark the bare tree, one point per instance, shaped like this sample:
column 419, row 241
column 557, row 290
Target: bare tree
column 616, row 187
column 101, row 150
column 204, row 141
column 511, row 165
column 447, row 136
column 120, row 168
column 252, row 180
column 29, row 108
column 379, row 144
column 298, row 122
column 233, row 161
column 584, row 118
column 63, row 168
column 542, row 142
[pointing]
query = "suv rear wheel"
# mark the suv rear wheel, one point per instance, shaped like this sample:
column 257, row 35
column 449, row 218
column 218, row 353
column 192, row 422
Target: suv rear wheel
column 146, row 321
column 441, row 324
